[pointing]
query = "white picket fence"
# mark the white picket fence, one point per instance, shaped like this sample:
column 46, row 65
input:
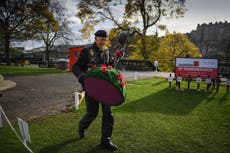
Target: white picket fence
column 137, row 75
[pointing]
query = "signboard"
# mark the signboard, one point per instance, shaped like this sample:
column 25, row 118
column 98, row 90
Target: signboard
column 197, row 67
column 73, row 55
column 24, row 129
column 155, row 63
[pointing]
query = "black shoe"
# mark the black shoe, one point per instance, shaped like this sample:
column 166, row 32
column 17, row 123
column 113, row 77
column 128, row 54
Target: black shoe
column 109, row 145
column 81, row 133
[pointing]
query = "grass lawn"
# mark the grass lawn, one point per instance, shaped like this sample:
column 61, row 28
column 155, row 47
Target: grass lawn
column 154, row 119
column 16, row 70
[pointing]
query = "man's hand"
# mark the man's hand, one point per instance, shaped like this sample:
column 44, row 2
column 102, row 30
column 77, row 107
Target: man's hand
column 81, row 78
column 120, row 53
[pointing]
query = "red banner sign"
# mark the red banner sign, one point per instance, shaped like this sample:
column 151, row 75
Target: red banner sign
column 196, row 67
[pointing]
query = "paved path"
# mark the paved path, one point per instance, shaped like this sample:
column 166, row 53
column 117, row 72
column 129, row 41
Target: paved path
column 6, row 84
column 36, row 96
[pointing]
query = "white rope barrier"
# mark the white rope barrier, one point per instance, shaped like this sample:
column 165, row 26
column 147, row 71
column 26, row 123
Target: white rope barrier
column 15, row 132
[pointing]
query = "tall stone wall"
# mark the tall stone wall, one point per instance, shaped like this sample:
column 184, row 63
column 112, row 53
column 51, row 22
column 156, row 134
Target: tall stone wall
column 213, row 39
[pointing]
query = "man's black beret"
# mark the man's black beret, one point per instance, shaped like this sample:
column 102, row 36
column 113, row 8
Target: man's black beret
column 101, row 33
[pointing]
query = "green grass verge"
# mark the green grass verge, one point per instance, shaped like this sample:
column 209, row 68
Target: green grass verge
column 154, row 119
column 16, row 70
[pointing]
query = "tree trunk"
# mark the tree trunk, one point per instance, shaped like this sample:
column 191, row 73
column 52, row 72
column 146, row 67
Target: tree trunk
column 143, row 49
column 7, row 50
column 47, row 57
column 0, row 58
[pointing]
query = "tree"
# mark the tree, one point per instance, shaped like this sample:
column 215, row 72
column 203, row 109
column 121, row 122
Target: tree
column 18, row 20
column 1, row 44
column 173, row 46
column 152, row 45
column 137, row 13
column 57, row 29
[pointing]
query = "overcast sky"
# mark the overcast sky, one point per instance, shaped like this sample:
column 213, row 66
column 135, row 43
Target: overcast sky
column 199, row 11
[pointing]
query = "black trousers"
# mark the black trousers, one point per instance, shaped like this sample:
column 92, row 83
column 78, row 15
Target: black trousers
column 208, row 86
column 198, row 86
column 188, row 85
column 178, row 85
column 92, row 107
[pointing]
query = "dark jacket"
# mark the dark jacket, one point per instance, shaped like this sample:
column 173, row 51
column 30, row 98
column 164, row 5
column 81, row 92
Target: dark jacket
column 89, row 56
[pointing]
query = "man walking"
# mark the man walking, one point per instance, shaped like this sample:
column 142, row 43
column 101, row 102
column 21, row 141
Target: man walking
column 91, row 55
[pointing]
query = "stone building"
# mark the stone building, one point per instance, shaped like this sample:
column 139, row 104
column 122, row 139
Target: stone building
column 213, row 40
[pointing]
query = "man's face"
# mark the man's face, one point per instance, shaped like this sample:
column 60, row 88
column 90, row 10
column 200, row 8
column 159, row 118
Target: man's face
column 100, row 41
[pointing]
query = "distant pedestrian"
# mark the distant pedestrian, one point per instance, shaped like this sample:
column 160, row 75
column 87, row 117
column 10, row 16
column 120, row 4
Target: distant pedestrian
column 170, row 79
column 198, row 81
column 208, row 82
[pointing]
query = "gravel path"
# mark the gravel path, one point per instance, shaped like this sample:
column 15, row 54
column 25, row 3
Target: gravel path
column 36, row 96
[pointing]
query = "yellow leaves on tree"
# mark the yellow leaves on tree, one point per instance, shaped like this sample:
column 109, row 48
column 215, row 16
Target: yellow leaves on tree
column 173, row 46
